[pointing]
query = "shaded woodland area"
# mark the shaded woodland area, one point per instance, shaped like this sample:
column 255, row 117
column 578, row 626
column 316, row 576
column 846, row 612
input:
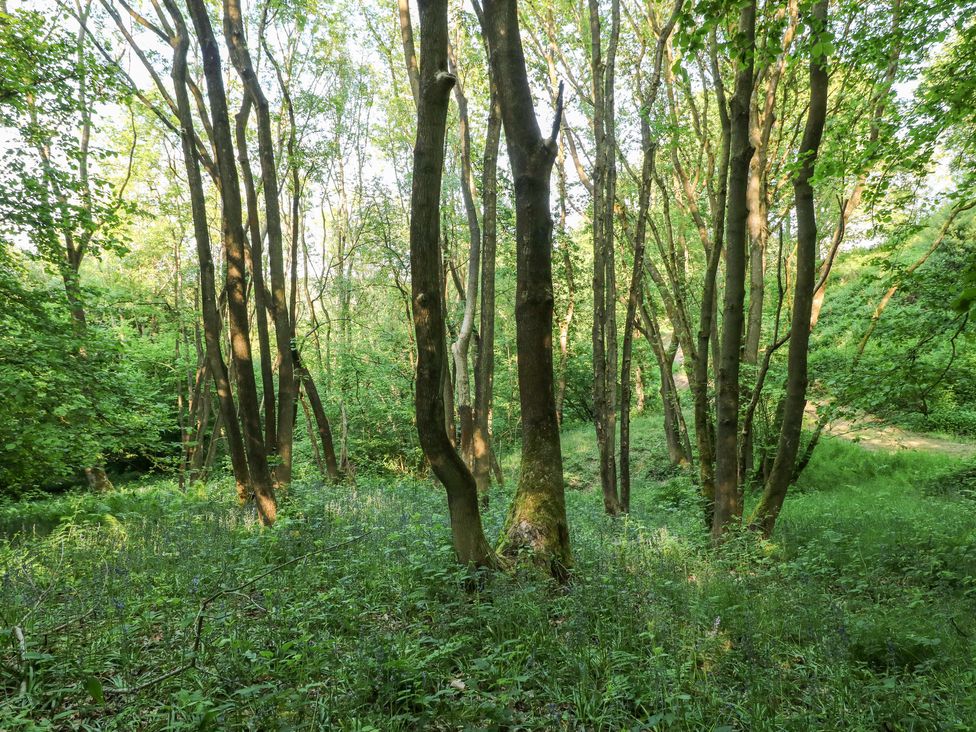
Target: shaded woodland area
column 671, row 302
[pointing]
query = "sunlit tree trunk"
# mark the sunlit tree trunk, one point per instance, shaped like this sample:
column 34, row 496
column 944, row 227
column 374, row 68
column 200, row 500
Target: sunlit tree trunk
column 234, row 246
column 201, row 229
column 287, row 384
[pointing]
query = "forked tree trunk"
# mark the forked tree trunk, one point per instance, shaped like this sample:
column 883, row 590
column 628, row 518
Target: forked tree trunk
column 636, row 290
column 201, row 230
column 234, row 245
column 257, row 276
column 728, row 506
column 287, row 384
column 537, row 520
column 806, row 254
column 435, row 85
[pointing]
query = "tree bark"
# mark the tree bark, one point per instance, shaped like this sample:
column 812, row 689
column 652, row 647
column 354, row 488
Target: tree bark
column 461, row 348
column 257, row 276
column 321, row 420
column 435, row 85
column 604, row 175
column 537, row 520
column 201, row 229
column 287, row 384
column 484, row 375
column 636, row 289
column 794, row 403
column 234, row 245
column 728, row 507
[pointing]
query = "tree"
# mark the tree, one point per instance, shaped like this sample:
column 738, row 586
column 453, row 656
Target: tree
column 806, row 252
column 434, row 84
column 234, row 245
column 537, row 520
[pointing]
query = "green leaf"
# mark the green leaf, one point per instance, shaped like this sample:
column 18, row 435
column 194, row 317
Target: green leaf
column 94, row 688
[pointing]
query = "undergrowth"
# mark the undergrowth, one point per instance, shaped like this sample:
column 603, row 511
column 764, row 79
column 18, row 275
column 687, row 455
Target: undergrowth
column 859, row 615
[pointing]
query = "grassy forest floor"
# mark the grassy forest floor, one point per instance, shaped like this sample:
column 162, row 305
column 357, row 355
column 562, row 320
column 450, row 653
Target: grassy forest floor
column 861, row 614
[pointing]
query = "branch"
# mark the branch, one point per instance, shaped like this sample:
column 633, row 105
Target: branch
column 557, row 120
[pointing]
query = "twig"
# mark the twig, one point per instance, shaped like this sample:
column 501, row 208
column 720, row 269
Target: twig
column 22, row 644
column 59, row 628
column 959, row 630
column 200, row 617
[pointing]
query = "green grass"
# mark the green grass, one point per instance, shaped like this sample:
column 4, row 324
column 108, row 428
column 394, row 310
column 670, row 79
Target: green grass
column 859, row 615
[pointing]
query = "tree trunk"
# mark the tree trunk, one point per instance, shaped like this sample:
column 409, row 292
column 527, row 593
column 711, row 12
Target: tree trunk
column 675, row 429
column 234, row 245
column 485, row 364
column 257, row 276
column 321, row 420
column 310, row 430
column 537, row 520
column 604, row 175
column 806, row 255
column 201, row 229
column 287, row 384
column 461, row 347
column 636, row 289
column 426, row 287
column 728, row 508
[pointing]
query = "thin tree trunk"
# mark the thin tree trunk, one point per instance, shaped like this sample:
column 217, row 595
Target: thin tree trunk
column 484, row 374
column 287, row 384
column 201, row 228
column 321, row 420
column 234, row 245
column 257, row 275
column 310, row 431
column 794, row 404
column 406, row 37
column 461, row 347
column 604, row 176
column 435, row 84
column 728, row 508
column 636, row 289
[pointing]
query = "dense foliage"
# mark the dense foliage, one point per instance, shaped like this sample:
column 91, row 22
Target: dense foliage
column 859, row 617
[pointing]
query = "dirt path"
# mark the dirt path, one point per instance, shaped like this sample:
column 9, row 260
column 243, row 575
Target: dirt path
column 868, row 431
column 873, row 434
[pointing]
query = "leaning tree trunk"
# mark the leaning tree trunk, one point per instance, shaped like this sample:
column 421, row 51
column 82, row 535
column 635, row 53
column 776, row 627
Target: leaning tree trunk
column 727, row 507
column 234, row 245
column 537, row 520
column 435, row 85
column 201, row 230
column 287, row 384
column 806, row 254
